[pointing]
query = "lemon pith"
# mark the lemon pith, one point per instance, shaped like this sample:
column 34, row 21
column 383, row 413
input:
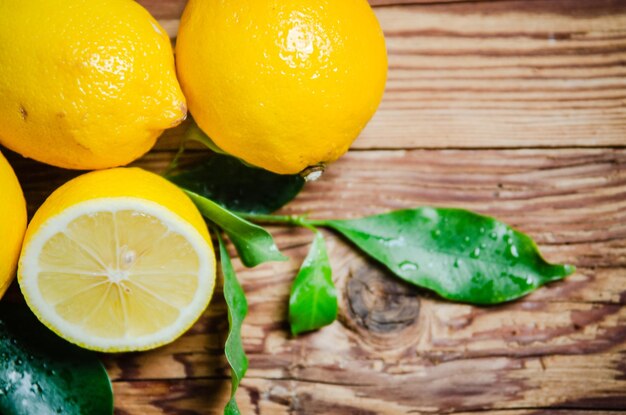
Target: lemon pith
column 85, row 84
column 12, row 223
column 119, row 273
column 281, row 85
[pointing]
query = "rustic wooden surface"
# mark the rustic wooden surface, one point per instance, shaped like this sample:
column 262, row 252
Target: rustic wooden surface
column 515, row 109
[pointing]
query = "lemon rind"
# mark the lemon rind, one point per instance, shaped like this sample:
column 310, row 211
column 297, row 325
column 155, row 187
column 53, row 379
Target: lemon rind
column 29, row 268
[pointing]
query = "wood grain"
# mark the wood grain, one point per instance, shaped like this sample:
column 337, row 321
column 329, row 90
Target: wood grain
column 498, row 74
column 515, row 109
column 476, row 385
column 398, row 349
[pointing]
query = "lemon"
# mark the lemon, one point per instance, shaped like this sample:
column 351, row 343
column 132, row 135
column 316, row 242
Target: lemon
column 117, row 260
column 12, row 223
column 281, row 84
column 85, row 84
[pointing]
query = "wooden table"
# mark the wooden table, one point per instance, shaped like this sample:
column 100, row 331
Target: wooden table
column 515, row 109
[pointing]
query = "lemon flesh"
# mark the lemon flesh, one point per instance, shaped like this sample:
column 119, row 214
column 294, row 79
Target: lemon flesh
column 117, row 274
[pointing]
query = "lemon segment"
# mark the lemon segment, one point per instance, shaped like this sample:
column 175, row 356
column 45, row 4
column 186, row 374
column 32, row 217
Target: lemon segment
column 119, row 273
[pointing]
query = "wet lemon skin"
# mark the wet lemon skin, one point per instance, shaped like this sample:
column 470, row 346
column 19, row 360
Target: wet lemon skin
column 85, row 84
column 12, row 223
column 282, row 85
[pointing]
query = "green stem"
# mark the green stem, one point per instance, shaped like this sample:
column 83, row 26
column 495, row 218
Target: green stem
column 291, row 220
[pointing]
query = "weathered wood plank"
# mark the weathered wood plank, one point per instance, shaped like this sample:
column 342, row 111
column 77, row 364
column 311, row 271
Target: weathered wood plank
column 503, row 74
column 405, row 344
column 395, row 336
column 572, row 201
column 499, row 74
column 396, row 330
column 476, row 385
column 381, row 318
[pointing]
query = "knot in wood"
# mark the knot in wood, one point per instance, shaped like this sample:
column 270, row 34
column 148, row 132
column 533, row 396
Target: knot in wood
column 379, row 302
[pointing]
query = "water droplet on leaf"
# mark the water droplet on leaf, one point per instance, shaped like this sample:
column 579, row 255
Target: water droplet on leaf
column 408, row 266
column 475, row 253
column 394, row 242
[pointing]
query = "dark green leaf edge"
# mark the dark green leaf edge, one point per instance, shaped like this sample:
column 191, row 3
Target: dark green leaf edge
column 237, row 306
column 235, row 186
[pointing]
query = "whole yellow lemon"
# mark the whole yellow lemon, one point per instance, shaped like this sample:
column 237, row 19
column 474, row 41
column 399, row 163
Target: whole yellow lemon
column 12, row 223
column 282, row 84
column 84, row 84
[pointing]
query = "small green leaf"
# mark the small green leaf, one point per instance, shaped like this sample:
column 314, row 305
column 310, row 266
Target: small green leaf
column 237, row 187
column 460, row 255
column 237, row 310
column 254, row 244
column 313, row 300
column 42, row 374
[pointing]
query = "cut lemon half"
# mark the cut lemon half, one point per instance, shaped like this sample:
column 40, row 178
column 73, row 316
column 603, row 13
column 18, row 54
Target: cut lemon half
column 118, row 260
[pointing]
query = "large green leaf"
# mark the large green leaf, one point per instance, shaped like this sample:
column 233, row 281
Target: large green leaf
column 236, row 186
column 460, row 255
column 237, row 310
column 42, row 374
column 313, row 300
column 254, row 244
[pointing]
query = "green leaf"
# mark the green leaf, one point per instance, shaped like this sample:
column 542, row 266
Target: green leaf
column 460, row 255
column 42, row 374
column 313, row 300
column 238, row 187
column 237, row 310
column 254, row 244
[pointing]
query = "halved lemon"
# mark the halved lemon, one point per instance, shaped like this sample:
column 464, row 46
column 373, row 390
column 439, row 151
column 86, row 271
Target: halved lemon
column 117, row 260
